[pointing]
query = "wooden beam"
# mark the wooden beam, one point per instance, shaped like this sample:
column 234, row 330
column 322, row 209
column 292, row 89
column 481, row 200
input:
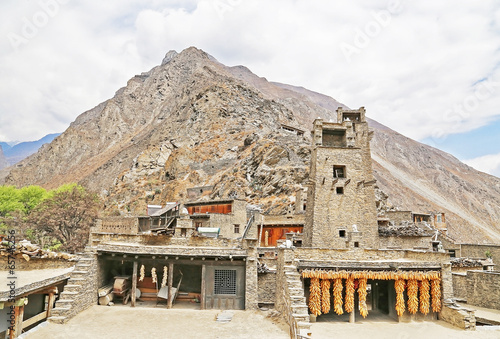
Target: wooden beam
column 203, row 286
column 134, row 284
column 34, row 319
column 170, row 281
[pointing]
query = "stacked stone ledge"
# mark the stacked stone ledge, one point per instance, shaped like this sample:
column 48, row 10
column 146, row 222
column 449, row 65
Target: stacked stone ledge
column 80, row 292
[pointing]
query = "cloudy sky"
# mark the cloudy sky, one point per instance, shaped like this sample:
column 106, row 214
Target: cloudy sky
column 428, row 69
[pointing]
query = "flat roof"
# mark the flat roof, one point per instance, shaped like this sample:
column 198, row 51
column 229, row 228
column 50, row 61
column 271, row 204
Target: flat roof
column 27, row 281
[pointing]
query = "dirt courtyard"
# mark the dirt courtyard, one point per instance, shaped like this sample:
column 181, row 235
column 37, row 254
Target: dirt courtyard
column 101, row 322
column 395, row 330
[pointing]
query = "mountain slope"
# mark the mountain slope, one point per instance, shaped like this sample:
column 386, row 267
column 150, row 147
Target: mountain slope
column 194, row 122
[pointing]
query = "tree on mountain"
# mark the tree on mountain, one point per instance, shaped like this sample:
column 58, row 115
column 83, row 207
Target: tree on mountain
column 67, row 214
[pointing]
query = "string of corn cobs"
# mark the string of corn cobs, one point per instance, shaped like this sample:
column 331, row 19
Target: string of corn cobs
column 337, row 296
column 325, row 295
column 429, row 280
column 363, row 309
column 412, row 296
column 349, row 295
column 399, row 286
column 315, row 297
column 436, row 295
column 424, row 296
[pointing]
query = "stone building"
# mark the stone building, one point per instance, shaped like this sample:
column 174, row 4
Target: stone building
column 216, row 252
column 341, row 211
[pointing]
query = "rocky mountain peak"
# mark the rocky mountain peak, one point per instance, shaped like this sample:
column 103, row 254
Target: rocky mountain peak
column 194, row 122
column 169, row 56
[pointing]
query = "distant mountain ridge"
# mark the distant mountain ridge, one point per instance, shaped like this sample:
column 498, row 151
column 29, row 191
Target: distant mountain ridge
column 18, row 152
column 193, row 121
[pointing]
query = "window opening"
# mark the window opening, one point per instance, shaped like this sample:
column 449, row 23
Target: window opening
column 339, row 171
column 225, row 282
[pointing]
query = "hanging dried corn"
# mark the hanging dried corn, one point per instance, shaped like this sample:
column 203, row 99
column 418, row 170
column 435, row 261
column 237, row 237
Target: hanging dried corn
column 349, row 294
column 153, row 275
column 325, row 295
column 436, row 294
column 142, row 273
column 337, row 296
column 412, row 296
column 399, row 286
column 424, row 296
column 164, row 278
column 363, row 309
column 315, row 297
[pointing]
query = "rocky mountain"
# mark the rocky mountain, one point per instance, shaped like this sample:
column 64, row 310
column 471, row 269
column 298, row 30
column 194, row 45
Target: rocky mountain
column 194, row 122
column 18, row 152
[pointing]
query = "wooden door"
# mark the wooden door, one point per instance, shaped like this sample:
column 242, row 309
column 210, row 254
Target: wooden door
column 225, row 287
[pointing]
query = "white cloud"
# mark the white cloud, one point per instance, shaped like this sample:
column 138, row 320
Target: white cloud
column 413, row 68
column 488, row 163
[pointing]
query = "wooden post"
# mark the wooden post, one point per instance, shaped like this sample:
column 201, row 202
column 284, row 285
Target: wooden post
column 352, row 317
column 203, row 286
column 170, row 282
column 50, row 303
column 12, row 333
column 19, row 321
column 134, row 285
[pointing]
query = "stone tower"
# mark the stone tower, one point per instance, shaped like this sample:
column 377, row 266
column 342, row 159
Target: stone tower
column 341, row 210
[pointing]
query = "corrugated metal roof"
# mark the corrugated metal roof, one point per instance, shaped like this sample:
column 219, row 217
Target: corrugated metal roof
column 165, row 209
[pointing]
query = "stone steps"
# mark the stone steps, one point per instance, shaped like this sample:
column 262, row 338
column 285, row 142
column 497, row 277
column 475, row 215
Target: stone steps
column 82, row 265
column 57, row 319
column 72, row 288
column 297, row 301
column 300, row 309
column 60, row 310
column 304, row 325
column 74, row 297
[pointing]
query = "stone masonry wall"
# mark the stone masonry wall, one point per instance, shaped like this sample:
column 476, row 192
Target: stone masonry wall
column 399, row 216
column 251, row 288
column 479, row 251
column 369, row 254
column 483, row 289
column 267, row 288
column 334, row 212
column 406, row 242
column 460, row 285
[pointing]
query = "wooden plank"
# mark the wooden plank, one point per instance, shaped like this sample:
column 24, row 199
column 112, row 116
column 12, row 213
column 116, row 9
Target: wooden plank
column 203, row 286
column 34, row 319
column 170, row 281
column 134, row 284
